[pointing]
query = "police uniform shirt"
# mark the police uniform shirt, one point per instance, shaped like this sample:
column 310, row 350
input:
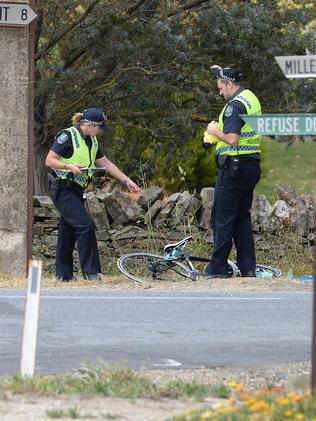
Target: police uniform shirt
column 231, row 119
column 63, row 144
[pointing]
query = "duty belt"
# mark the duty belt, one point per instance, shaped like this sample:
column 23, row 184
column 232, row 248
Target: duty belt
column 62, row 174
column 237, row 148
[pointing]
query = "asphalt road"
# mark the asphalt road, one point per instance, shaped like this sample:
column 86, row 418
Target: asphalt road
column 158, row 329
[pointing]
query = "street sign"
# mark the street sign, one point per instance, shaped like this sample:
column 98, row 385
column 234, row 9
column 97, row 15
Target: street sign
column 282, row 124
column 16, row 14
column 297, row 66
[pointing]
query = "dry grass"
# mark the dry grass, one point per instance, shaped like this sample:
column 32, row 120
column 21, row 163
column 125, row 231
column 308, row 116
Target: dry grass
column 121, row 283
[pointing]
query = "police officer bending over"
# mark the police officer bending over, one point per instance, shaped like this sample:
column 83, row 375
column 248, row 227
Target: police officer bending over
column 238, row 158
column 73, row 154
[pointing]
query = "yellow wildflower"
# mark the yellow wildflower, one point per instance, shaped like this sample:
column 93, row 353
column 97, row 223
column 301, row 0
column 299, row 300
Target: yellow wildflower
column 239, row 387
column 250, row 402
column 232, row 384
column 244, row 396
column 218, row 405
column 299, row 416
column 258, row 406
column 42, row 379
column 283, row 401
column 294, row 397
column 227, row 410
column 232, row 400
column 206, row 415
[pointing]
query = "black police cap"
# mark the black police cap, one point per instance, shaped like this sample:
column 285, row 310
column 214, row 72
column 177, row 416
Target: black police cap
column 97, row 117
column 227, row 73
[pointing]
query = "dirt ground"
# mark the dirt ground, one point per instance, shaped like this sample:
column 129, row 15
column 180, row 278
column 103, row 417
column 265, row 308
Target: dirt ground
column 219, row 284
column 39, row 408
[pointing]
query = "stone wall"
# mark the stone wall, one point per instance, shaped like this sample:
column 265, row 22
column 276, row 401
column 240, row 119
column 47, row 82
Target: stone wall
column 123, row 224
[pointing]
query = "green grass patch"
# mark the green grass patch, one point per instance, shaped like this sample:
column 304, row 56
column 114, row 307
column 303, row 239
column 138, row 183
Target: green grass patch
column 199, row 391
column 105, row 380
column 99, row 379
column 292, row 163
column 59, row 413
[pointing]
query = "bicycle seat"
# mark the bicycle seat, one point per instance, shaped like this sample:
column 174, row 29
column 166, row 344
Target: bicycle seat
column 180, row 243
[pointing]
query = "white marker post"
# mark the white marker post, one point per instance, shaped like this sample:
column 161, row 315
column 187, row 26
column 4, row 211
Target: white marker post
column 31, row 319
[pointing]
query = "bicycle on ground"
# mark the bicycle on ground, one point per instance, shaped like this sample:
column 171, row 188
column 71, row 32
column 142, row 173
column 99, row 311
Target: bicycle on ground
column 176, row 264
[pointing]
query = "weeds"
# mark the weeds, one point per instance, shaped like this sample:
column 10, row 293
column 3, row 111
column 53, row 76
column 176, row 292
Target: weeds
column 197, row 391
column 109, row 381
column 285, row 251
column 70, row 413
column 269, row 403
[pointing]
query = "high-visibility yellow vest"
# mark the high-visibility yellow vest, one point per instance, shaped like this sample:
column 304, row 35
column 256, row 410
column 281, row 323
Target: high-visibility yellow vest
column 249, row 141
column 81, row 155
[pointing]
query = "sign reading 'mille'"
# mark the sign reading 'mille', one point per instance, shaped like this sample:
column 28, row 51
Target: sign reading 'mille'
column 297, row 66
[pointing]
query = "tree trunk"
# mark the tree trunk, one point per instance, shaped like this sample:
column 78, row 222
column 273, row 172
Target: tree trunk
column 40, row 171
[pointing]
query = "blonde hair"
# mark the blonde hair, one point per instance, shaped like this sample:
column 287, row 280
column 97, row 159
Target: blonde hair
column 76, row 118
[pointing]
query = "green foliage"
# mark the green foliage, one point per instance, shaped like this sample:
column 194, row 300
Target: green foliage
column 221, row 391
column 100, row 379
column 59, row 413
column 198, row 165
column 199, row 391
column 147, row 64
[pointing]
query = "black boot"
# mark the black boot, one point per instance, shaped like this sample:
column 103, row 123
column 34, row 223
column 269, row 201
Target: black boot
column 249, row 274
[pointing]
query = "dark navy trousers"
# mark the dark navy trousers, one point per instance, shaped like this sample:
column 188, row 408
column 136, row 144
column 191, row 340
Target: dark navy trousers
column 75, row 225
column 231, row 218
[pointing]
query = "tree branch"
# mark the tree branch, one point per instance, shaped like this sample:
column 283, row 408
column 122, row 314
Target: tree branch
column 188, row 6
column 134, row 7
column 199, row 118
column 65, row 31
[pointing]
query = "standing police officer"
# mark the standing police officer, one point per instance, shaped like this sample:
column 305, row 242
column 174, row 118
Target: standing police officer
column 238, row 158
column 73, row 154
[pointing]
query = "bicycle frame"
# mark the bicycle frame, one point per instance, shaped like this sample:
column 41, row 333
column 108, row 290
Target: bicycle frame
column 177, row 253
column 184, row 258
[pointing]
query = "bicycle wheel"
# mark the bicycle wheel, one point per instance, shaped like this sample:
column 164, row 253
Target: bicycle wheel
column 268, row 271
column 233, row 270
column 142, row 267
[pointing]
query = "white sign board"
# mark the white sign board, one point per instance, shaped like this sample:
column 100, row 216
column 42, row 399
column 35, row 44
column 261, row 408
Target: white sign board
column 297, row 66
column 16, row 14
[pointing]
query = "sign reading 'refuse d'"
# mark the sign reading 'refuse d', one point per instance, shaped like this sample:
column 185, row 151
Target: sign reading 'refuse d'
column 282, row 124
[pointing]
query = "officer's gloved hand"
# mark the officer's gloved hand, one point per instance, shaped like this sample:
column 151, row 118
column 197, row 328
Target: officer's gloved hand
column 209, row 140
